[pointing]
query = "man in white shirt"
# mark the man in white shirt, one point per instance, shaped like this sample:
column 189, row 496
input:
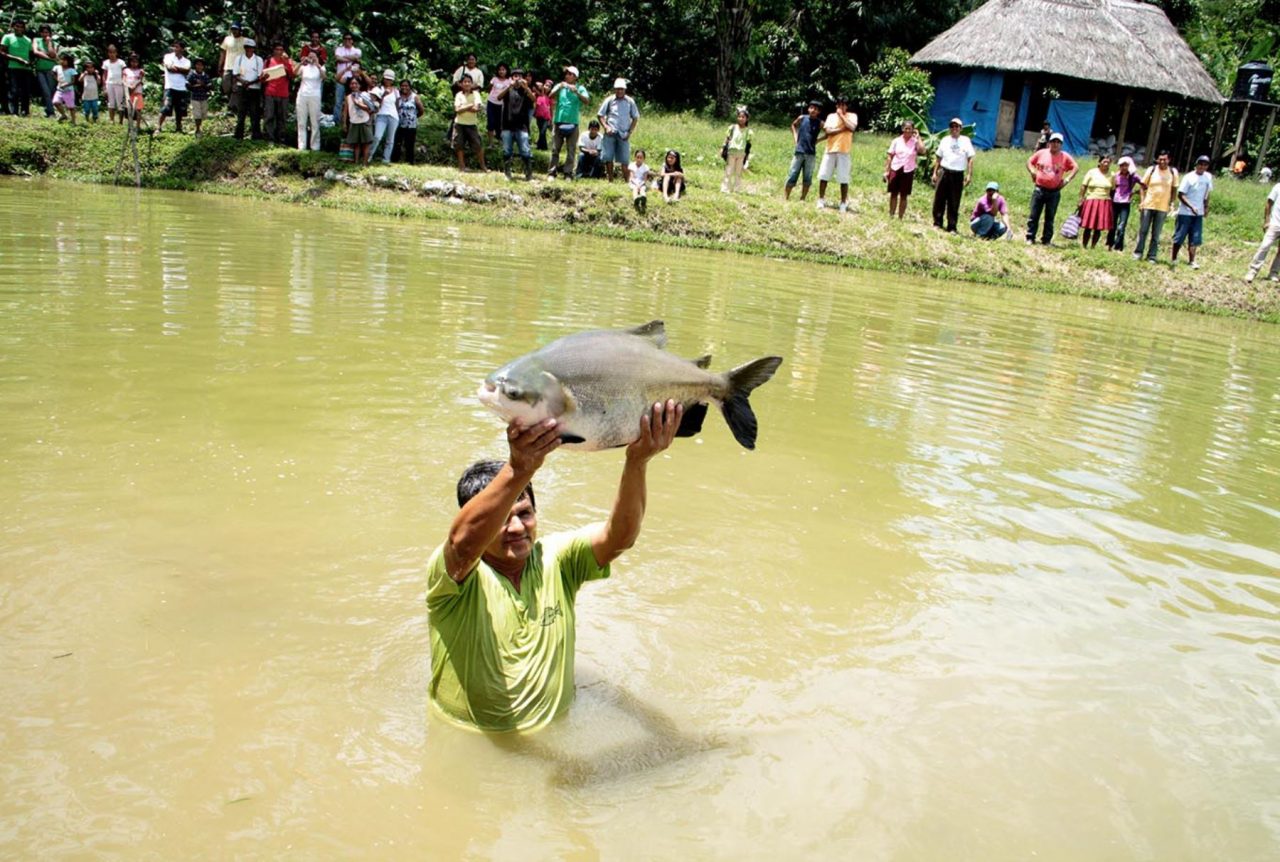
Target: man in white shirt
column 952, row 171
column 347, row 56
column 1270, row 238
column 1193, row 206
column 247, row 73
column 176, row 98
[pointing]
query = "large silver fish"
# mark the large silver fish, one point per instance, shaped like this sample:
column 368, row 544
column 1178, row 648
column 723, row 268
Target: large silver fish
column 598, row 384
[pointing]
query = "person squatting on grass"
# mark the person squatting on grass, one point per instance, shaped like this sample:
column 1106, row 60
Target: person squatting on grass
column 1270, row 238
column 990, row 216
column 737, row 148
column 900, row 167
column 804, row 131
column 589, row 165
column 671, row 177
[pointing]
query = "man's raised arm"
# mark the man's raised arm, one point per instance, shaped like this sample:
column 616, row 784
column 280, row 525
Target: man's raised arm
column 485, row 514
column 657, row 430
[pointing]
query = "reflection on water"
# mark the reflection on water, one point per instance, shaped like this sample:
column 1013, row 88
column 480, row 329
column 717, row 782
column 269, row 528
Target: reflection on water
column 1000, row 580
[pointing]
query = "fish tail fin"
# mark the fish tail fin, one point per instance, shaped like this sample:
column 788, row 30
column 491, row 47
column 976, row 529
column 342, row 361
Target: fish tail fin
column 735, row 407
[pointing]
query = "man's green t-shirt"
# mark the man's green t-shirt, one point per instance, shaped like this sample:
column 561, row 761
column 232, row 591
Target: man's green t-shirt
column 17, row 46
column 569, row 104
column 502, row 660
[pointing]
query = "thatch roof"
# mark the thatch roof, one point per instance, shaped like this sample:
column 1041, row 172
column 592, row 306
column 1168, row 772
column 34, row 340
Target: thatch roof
column 1122, row 42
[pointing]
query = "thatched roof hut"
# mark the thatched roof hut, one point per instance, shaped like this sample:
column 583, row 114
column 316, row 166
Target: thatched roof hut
column 1093, row 48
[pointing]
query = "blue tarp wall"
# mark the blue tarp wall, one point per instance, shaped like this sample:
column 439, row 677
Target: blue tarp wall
column 973, row 95
column 1075, row 121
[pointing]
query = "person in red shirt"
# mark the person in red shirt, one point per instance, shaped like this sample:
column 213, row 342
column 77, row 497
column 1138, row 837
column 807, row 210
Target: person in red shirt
column 1051, row 170
column 315, row 47
column 276, row 93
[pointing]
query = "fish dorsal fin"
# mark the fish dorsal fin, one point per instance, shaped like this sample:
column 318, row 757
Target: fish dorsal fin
column 654, row 330
column 703, row 361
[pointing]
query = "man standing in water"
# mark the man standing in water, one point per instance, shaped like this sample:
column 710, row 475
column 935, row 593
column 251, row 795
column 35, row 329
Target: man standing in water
column 500, row 601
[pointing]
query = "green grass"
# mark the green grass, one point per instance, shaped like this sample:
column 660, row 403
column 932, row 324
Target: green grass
column 755, row 221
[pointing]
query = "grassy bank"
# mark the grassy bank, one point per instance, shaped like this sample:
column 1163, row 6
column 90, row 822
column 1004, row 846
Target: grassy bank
column 755, row 221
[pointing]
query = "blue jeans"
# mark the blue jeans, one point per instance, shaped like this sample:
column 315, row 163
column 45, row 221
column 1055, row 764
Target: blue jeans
column 384, row 134
column 1120, row 215
column 1152, row 221
column 985, row 226
column 518, row 136
column 1188, row 229
column 801, row 163
column 339, row 93
column 1043, row 201
column 47, row 84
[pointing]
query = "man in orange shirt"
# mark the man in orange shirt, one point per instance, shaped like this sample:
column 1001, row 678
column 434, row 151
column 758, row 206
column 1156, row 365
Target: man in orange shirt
column 838, row 130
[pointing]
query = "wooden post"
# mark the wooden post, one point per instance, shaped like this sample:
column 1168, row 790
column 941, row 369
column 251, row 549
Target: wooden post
column 1266, row 142
column 1124, row 123
column 1154, row 137
column 1216, row 150
column 1244, row 119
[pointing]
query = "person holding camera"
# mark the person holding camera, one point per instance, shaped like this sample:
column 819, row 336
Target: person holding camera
column 568, row 96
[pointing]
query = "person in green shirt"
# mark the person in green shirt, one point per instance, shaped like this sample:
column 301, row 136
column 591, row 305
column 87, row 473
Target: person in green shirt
column 16, row 47
column 44, row 62
column 500, row 601
column 568, row 97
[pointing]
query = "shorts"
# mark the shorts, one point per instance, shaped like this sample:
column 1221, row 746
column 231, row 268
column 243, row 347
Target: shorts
column 834, row 165
column 802, row 163
column 615, row 149
column 1188, row 229
column 115, row 97
column 466, row 137
column 199, row 109
column 135, row 101
column 65, row 97
column 359, row 134
column 90, row 108
column 175, row 103
column 901, row 182
column 493, row 117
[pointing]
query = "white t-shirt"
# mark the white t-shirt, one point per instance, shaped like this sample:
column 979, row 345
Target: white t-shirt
column 176, row 80
column 476, row 76
column 387, row 106
column 956, row 152
column 234, row 46
column 639, row 173
column 311, row 81
column 249, row 70
column 114, row 70
column 1195, row 188
column 1274, row 197
column 591, row 145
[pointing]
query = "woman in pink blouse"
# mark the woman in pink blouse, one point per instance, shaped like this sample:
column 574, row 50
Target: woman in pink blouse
column 900, row 167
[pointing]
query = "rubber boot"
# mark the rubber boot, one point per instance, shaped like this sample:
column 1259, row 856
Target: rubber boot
column 635, row 204
column 506, row 168
column 528, row 169
column 644, row 204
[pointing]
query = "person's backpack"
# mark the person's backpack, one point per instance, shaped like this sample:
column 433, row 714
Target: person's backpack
column 1071, row 227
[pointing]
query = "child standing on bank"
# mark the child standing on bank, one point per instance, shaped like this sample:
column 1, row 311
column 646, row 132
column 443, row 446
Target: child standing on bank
column 64, row 99
column 638, row 175
column 133, row 76
column 198, row 83
column 738, row 149
column 89, row 92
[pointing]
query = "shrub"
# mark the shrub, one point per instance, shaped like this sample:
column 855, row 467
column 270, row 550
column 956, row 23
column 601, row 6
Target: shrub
column 892, row 90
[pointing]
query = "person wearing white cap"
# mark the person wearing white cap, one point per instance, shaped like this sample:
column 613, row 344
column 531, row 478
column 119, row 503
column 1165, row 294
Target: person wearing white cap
column 248, row 87
column 1270, row 238
column 1122, row 202
column 387, row 120
column 1051, row 170
column 569, row 98
column 952, row 171
column 620, row 118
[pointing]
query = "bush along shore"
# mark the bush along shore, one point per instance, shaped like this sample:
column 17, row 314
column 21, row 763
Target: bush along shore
column 756, row 220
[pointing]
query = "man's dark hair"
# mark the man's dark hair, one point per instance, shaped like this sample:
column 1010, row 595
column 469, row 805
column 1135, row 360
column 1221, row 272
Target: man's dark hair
column 469, row 56
column 179, row 43
column 348, row 35
column 17, row 21
column 478, row 476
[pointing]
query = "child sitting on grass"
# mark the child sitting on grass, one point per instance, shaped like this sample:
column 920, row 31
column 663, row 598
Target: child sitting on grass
column 638, row 173
column 671, row 178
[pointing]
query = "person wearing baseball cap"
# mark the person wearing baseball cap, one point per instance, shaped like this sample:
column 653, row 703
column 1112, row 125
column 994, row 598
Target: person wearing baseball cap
column 247, row 71
column 1051, row 170
column 568, row 97
column 952, row 171
column 620, row 117
column 1193, row 206
column 990, row 216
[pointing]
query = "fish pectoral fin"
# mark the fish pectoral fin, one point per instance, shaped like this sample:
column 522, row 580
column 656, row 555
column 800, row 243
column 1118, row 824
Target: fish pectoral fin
column 654, row 330
column 691, row 422
column 703, row 361
column 560, row 399
column 572, row 438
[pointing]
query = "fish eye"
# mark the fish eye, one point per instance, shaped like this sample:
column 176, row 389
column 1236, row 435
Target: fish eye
column 515, row 393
